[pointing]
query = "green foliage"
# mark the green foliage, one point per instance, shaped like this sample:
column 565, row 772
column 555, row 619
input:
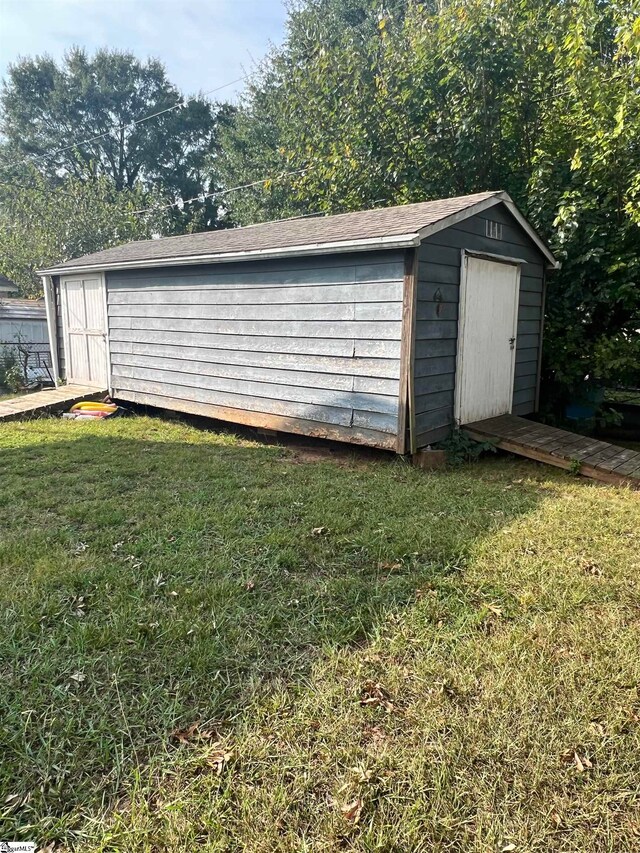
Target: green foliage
column 461, row 448
column 46, row 107
column 411, row 101
column 41, row 224
column 575, row 466
column 9, row 368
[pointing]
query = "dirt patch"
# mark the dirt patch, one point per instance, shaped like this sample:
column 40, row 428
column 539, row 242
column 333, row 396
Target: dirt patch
column 343, row 458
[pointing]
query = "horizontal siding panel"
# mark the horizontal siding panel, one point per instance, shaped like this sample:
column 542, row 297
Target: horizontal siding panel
column 262, row 420
column 425, row 385
column 380, row 266
column 389, row 291
column 324, row 414
column 529, row 312
column 525, row 383
column 380, row 271
column 528, row 341
column 531, row 283
column 430, row 402
column 283, row 312
column 436, row 329
column 433, row 292
column 347, row 399
column 527, row 368
column 434, row 419
column 531, row 297
column 334, row 416
column 433, row 436
column 328, row 380
column 527, row 408
column 435, row 348
column 434, row 253
column 436, row 311
column 387, row 368
column 382, row 330
column 526, row 354
column 375, row 421
column 314, row 346
column 525, row 396
column 435, row 366
column 528, row 327
column 440, row 275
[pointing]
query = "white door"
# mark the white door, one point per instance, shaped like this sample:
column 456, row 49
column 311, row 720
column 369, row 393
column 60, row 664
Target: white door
column 489, row 292
column 85, row 330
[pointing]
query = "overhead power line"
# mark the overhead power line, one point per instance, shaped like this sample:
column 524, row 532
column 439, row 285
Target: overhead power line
column 204, row 196
column 181, row 103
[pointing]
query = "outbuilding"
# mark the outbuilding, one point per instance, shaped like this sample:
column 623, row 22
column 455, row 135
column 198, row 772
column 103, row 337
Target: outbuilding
column 384, row 327
column 23, row 335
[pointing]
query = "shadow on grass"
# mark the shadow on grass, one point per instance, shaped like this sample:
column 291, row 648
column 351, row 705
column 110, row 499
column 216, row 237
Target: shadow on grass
column 154, row 575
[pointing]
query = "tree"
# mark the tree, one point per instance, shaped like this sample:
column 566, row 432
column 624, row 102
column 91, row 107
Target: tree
column 41, row 225
column 367, row 105
column 47, row 110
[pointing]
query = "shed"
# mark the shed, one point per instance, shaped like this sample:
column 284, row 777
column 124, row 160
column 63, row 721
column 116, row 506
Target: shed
column 23, row 335
column 384, row 327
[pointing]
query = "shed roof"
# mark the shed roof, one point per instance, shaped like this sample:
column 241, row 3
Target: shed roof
column 386, row 227
column 22, row 309
column 6, row 285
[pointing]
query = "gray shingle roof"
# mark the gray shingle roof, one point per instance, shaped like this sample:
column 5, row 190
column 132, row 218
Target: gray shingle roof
column 280, row 235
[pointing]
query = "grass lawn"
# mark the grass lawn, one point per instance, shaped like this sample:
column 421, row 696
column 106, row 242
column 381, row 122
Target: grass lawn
column 212, row 644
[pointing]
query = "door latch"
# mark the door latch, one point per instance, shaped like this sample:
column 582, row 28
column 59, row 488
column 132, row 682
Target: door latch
column 512, row 343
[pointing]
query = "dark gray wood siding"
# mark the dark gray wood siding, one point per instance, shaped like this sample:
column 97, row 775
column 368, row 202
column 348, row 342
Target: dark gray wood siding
column 437, row 318
column 283, row 344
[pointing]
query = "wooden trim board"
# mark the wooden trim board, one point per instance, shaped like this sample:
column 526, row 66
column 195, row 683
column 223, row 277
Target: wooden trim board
column 406, row 401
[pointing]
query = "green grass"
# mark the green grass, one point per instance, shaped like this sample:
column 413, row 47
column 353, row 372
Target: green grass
column 376, row 658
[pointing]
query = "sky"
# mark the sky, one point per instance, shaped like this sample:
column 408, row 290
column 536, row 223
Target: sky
column 202, row 43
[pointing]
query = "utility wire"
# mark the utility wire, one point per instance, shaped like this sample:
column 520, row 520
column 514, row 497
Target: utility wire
column 181, row 103
column 204, row 196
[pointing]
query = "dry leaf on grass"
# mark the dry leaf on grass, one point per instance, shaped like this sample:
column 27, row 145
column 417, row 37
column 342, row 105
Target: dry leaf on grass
column 320, row 531
column 13, row 802
column 352, row 811
column 497, row 611
column 582, row 763
column 186, row 735
column 192, row 734
column 376, row 735
column 591, row 568
column 218, row 757
column 376, row 695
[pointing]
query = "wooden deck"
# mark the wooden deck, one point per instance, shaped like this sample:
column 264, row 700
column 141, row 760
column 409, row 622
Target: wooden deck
column 29, row 405
column 596, row 459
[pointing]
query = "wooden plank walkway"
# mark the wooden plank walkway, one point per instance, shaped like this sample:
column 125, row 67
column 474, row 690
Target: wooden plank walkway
column 596, row 459
column 51, row 399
